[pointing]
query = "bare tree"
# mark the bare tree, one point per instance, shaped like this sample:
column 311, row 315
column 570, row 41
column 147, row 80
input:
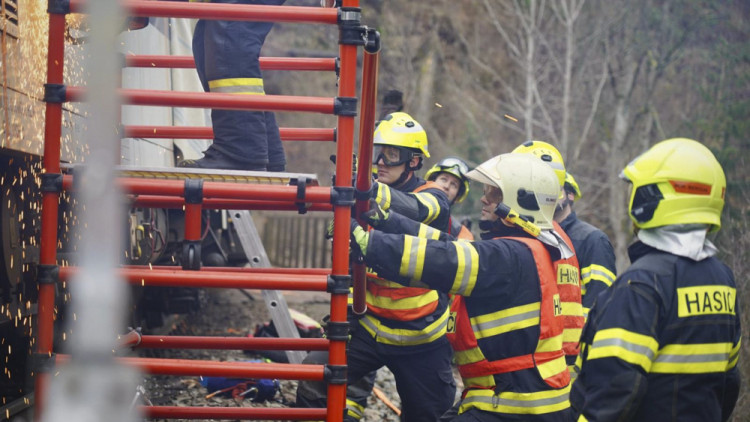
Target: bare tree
column 644, row 41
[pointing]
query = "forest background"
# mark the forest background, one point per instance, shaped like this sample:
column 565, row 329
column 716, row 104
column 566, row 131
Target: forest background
column 601, row 80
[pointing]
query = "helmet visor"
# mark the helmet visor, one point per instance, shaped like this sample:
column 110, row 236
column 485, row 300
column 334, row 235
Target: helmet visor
column 454, row 165
column 391, row 156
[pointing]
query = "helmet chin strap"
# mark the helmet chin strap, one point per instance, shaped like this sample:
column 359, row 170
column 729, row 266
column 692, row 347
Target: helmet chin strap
column 403, row 178
column 408, row 170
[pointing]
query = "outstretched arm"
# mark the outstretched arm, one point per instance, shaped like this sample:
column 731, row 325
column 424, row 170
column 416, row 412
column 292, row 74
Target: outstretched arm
column 429, row 206
column 456, row 267
column 395, row 223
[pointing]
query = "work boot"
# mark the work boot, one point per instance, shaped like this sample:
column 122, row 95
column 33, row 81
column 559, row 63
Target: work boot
column 216, row 160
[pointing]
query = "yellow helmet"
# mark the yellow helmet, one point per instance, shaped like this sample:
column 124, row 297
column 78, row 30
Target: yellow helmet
column 401, row 130
column 455, row 166
column 572, row 186
column 529, row 186
column 548, row 153
column 677, row 181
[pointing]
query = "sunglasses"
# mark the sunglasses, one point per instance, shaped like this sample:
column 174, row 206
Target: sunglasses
column 391, row 156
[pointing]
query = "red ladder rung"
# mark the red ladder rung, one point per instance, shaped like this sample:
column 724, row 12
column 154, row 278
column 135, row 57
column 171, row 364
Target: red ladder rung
column 266, row 63
column 218, row 190
column 224, row 12
column 222, row 343
column 234, row 413
column 227, row 190
column 145, row 97
column 200, row 132
column 188, row 367
column 216, row 279
column 170, row 202
column 258, row 270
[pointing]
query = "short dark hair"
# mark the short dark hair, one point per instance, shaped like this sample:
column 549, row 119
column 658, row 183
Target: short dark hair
column 395, row 99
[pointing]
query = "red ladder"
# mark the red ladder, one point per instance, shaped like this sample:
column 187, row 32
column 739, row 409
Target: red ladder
column 197, row 194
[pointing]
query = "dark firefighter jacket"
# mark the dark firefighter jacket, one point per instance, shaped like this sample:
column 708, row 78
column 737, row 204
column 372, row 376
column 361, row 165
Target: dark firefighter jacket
column 596, row 257
column 662, row 343
column 400, row 317
column 499, row 279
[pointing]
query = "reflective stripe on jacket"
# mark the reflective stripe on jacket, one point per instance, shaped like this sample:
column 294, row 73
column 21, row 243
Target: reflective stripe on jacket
column 392, row 300
column 662, row 343
column 425, row 202
column 399, row 315
column 546, row 314
column 507, row 317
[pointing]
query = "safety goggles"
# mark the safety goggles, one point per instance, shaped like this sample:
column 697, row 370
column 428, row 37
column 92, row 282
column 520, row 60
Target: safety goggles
column 391, row 156
column 454, row 164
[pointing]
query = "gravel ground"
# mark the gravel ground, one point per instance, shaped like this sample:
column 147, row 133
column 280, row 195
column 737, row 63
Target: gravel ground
column 232, row 313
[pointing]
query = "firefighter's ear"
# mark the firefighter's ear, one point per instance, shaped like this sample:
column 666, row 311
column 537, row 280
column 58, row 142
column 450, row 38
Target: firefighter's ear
column 416, row 162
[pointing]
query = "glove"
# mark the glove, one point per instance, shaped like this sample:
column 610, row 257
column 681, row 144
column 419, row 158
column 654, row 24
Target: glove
column 381, row 193
column 375, row 216
column 329, row 230
column 359, row 238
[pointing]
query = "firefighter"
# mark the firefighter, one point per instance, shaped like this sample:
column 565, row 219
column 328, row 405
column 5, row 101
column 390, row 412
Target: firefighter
column 506, row 329
column 662, row 343
column 450, row 174
column 595, row 253
column 567, row 269
column 227, row 58
column 404, row 327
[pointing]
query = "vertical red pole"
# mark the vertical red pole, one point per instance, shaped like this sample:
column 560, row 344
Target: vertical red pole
column 192, row 221
column 191, row 251
column 341, row 218
column 364, row 164
column 50, row 199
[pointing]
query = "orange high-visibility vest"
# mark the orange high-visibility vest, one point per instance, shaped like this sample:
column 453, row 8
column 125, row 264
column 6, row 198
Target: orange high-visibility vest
column 569, row 286
column 427, row 185
column 465, row 234
column 383, row 295
column 550, row 326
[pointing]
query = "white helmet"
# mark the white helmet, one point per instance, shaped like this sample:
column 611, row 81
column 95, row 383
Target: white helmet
column 530, row 186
